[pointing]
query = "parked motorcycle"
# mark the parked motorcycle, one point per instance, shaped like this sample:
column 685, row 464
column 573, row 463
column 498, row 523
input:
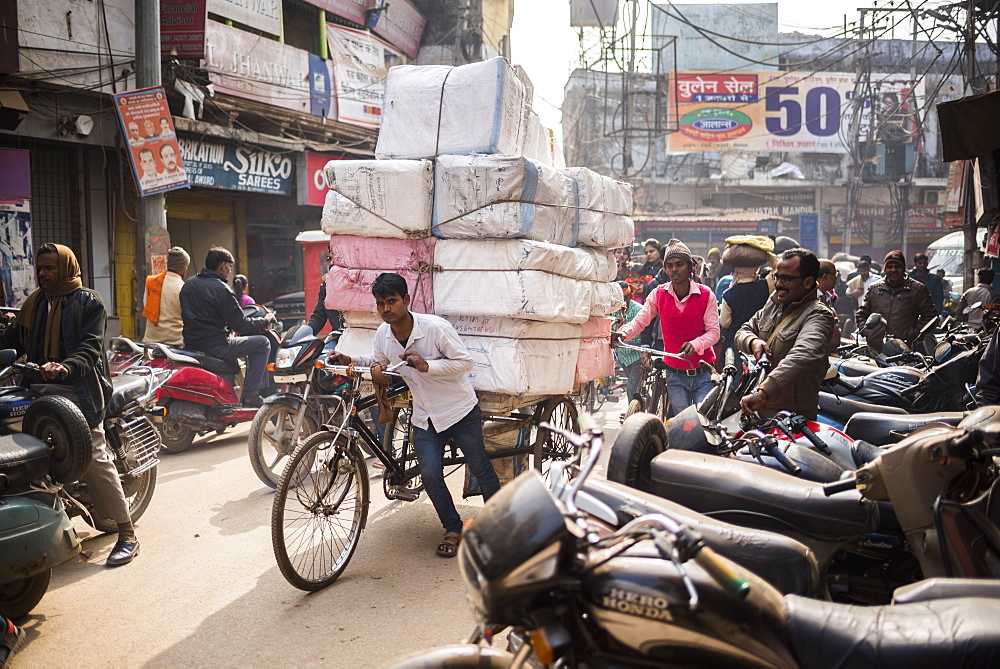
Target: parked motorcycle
column 129, row 431
column 298, row 409
column 202, row 394
column 574, row 592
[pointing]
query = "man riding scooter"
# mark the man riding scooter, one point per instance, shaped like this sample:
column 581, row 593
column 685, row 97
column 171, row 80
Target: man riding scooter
column 211, row 313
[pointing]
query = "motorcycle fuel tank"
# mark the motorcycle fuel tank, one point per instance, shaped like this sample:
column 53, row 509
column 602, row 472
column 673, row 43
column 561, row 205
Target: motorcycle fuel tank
column 884, row 386
column 642, row 602
column 195, row 384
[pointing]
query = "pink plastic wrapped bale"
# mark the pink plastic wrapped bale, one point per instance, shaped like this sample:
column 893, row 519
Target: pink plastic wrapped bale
column 358, row 260
column 596, row 359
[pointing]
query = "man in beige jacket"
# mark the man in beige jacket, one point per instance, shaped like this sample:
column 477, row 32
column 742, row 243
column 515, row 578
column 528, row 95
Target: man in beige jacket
column 793, row 329
column 164, row 324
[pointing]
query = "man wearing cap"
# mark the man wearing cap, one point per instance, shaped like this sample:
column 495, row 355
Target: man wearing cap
column 689, row 320
column 793, row 329
column 163, row 301
column 902, row 301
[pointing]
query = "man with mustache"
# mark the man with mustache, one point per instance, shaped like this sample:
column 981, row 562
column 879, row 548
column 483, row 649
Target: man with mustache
column 689, row 320
column 904, row 302
column 444, row 404
column 793, row 329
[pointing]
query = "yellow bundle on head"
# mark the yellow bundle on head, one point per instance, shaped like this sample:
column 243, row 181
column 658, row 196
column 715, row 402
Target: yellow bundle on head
column 747, row 250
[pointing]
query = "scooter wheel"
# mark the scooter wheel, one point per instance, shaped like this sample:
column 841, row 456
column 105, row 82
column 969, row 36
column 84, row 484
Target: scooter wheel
column 175, row 438
column 18, row 598
column 60, row 423
column 641, row 438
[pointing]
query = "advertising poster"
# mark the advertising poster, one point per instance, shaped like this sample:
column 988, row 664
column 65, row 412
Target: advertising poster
column 182, row 28
column 148, row 130
column 789, row 112
column 17, row 258
column 362, row 64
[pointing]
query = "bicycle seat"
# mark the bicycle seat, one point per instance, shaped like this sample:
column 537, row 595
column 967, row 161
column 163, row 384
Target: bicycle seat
column 877, row 428
column 23, row 459
column 127, row 387
column 751, row 495
column 204, row 360
column 781, row 561
column 842, row 408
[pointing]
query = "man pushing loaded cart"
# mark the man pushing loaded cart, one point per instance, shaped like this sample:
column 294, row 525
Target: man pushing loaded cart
column 444, row 404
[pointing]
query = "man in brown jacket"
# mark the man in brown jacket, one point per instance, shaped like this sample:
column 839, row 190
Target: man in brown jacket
column 903, row 302
column 793, row 329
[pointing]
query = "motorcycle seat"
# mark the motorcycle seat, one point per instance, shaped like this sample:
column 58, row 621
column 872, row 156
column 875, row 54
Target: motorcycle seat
column 877, row 428
column 23, row 459
column 751, row 495
column 127, row 387
column 781, row 561
column 959, row 632
column 855, row 368
column 212, row 364
column 946, row 588
column 842, row 408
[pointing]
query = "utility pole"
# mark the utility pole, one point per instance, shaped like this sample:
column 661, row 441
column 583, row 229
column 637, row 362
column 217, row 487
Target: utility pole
column 151, row 226
column 853, row 130
column 972, row 254
column 903, row 228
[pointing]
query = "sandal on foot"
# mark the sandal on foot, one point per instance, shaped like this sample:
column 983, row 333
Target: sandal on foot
column 449, row 544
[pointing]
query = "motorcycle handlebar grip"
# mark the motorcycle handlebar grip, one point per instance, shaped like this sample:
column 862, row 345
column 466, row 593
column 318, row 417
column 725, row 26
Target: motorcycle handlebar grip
column 813, row 438
column 838, row 486
column 783, row 460
column 730, row 581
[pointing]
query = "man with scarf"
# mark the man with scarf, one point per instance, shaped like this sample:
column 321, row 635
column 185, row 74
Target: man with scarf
column 61, row 328
column 162, row 308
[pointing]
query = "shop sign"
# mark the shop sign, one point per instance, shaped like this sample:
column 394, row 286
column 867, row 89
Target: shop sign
column 17, row 259
column 148, row 129
column 312, row 186
column 918, row 217
column 809, row 231
column 15, row 173
column 767, row 111
column 773, row 203
column 258, row 68
column 263, row 15
column 355, row 11
column 233, row 167
column 361, row 63
column 399, row 23
column 182, row 28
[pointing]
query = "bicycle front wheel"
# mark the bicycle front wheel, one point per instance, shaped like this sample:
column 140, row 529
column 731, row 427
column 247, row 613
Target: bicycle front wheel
column 319, row 511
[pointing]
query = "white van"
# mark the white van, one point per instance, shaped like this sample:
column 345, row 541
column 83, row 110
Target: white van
column 948, row 253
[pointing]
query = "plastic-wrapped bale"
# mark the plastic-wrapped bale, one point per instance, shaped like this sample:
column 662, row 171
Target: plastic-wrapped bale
column 379, row 198
column 429, row 110
column 357, row 261
column 356, row 341
column 605, row 209
column 493, row 255
column 596, row 358
column 517, row 357
column 605, row 298
column 746, row 250
column 485, row 196
column 366, row 320
column 536, row 140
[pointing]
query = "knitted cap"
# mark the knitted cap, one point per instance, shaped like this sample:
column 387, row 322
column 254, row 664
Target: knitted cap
column 177, row 259
column 677, row 249
column 894, row 256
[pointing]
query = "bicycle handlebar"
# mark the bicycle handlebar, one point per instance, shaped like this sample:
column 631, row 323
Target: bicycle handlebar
column 651, row 351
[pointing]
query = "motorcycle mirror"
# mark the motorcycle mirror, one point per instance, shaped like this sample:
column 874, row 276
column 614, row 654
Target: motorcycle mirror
column 874, row 320
column 7, row 357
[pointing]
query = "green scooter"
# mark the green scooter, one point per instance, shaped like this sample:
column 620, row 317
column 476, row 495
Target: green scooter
column 35, row 532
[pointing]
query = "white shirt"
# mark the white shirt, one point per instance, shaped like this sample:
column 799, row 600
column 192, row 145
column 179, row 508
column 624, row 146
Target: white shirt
column 444, row 392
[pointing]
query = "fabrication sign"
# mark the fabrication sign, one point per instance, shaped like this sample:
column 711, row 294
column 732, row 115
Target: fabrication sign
column 148, row 129
column 782, row 112
column 233, row 167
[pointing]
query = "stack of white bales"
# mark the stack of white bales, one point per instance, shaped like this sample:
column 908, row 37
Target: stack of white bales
column 516, row 251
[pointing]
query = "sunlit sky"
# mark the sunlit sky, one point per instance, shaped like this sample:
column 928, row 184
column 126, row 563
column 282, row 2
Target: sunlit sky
column 543, row 42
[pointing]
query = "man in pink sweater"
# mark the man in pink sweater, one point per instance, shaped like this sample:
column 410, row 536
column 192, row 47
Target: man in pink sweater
column 689, row 320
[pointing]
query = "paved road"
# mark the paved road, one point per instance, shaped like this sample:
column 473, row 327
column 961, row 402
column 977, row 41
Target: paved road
column 205, row 590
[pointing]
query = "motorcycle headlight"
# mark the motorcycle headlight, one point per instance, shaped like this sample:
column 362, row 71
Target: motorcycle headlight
column 286, row 357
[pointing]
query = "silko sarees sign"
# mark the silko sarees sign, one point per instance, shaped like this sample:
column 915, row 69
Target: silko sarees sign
column 774, row 111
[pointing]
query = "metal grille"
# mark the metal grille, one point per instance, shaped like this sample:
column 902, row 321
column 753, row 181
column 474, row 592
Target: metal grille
column 55, row 203
column 141, row 445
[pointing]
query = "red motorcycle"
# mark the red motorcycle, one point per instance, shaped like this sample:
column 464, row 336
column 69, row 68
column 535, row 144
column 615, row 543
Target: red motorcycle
column 203, row 393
